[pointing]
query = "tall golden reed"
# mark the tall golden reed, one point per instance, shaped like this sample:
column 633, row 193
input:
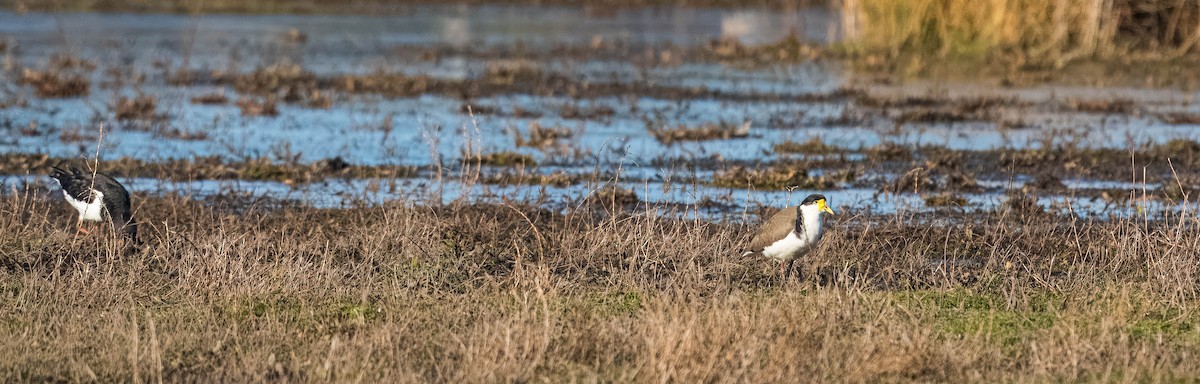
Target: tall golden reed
column 1035, row 31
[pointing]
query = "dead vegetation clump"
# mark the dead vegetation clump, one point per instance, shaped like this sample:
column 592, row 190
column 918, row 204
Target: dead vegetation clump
column 511, row 72
column 275, row 79
column 813, row 146
column 50, row 84
column 14, row 102
column 75, row 133
column 940, row 108
column 944, row 200
column 211, row 99
column 476, row 109
column 889, row 151
column 387, row 84
column 705, row 132
column 509, row 177
column 286, row 82
column 921, row 180
column 779, row 177
column 138, row 112
column 591, row 112
column 1180, row 118
column 613, row 197
column 175, row 133
column 502, row 159
column 30, row 130
column 942, row 116
column 1111, row 106
column 788, row 49
column 1048, row 182
column 542, row 137
column 258, row 107
column 849, row 117
column 1023, row 204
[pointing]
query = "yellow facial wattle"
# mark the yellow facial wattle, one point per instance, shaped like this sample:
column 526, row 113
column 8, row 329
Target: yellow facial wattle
column 824, row 208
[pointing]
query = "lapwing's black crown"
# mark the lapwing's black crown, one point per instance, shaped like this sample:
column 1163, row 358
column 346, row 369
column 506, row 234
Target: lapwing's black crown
column 812, row 199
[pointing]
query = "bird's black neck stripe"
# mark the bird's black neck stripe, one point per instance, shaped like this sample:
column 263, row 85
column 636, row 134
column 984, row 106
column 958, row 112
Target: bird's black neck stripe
column 799, row 220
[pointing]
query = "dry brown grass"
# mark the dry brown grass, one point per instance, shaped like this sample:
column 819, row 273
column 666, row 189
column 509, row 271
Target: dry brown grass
column 461, row 293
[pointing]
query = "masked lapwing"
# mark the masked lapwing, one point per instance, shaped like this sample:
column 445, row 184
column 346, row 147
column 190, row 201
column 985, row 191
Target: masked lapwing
column 791, row 233
column 96, row 196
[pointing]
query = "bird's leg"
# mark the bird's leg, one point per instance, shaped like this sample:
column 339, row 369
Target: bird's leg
column 81, row 229
column 791, row 263
column 783, row 271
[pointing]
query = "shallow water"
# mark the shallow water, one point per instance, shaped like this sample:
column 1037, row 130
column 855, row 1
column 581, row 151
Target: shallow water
column 431, row 128
column 674, row 199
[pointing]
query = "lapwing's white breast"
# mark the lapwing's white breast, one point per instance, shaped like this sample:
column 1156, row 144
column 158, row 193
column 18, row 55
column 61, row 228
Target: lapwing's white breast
column 786, row 248
column 88, row 211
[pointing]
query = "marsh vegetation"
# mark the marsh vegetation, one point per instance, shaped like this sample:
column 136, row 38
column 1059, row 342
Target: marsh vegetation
column 429, row 197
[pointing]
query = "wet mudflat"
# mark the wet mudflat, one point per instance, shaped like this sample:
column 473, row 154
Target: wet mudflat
column 673, row 101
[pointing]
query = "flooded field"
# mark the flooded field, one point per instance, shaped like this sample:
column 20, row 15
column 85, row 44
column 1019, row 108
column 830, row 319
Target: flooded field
column 669, row 107
column 507, row 193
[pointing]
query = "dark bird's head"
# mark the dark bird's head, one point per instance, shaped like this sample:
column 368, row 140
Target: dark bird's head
column 817, row 202
column 63, row 172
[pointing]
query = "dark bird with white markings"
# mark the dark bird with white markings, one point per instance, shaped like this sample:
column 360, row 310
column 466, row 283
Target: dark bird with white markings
column 96, row 196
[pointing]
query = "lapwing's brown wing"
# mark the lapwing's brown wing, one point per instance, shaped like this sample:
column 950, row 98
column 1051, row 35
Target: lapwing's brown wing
column 775, row 229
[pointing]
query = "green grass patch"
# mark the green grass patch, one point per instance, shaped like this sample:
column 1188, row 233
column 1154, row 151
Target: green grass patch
column 1170, row 324
column 618, row 303
column 305, row 313
column 962, row 313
